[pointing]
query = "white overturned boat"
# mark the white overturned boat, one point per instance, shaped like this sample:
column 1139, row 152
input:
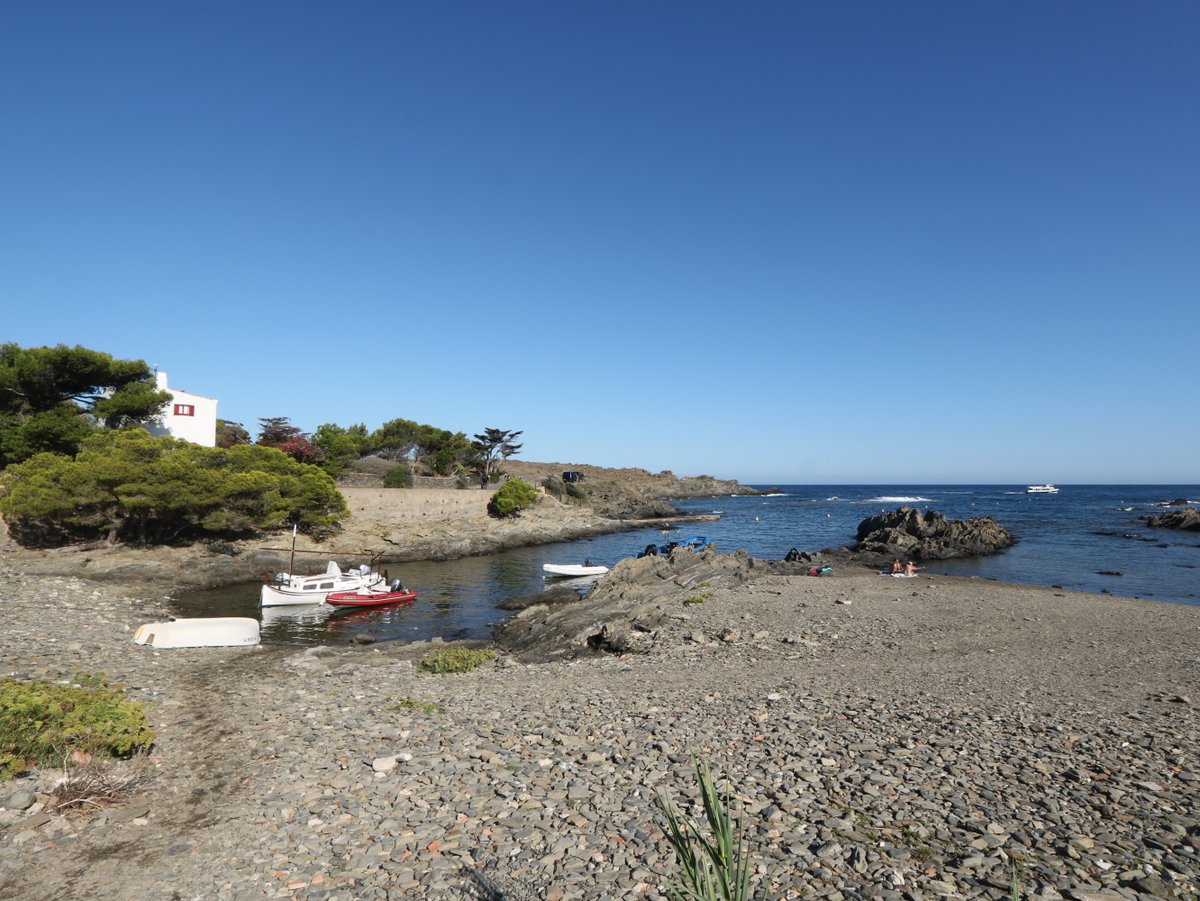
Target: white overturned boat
column 1041, row 489
column 287, row 590
column 214, row 632
column 572, row 570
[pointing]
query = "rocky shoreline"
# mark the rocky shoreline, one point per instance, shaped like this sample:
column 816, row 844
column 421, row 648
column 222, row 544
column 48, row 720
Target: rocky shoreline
column 881, row 738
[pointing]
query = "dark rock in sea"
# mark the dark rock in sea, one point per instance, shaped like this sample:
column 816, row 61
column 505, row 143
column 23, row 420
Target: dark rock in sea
column 559, row 594
column 906, row 533
column 1187, row 520
column 1109, row 572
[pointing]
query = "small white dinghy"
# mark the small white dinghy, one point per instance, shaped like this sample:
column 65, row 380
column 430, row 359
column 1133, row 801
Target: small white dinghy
column 571, row 570
column 213, row 632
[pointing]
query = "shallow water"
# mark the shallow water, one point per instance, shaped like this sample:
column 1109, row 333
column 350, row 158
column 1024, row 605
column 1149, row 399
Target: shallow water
column 1066, row 539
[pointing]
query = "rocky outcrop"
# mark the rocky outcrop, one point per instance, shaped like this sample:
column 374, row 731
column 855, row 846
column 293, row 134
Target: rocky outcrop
column 908, row 534
column 551, row 597
column 1187, row 520
column 627, row 609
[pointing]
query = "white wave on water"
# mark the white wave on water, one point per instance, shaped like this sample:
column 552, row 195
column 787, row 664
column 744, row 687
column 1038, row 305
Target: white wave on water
column 888, row 499
column 775, row 494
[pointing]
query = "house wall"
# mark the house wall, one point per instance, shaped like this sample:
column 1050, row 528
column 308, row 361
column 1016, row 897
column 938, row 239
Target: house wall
column 192, row 417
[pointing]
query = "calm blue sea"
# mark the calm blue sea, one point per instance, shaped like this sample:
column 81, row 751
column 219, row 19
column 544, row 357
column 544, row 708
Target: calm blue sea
column 1066, row 539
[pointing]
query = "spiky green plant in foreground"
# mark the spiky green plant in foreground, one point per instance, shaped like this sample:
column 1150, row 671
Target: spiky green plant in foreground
column 713, row 866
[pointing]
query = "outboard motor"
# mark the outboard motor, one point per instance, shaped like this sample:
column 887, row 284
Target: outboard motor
column 395, row 585
column 650, row 551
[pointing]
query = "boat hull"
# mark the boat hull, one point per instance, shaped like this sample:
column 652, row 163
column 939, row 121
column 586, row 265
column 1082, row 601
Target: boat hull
column 213, row 632
column 276, row 596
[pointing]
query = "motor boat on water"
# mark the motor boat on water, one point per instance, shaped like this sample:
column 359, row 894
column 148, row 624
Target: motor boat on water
column 375, row 596
column 1041, row 489
column 285, row 590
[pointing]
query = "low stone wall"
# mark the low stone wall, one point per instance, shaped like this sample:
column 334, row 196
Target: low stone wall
column 370, row 480
column 443, row 482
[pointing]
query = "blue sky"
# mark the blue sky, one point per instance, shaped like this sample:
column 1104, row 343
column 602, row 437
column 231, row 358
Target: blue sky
column 780, row 242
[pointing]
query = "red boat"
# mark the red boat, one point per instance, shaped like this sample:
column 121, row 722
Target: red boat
column 367, row 597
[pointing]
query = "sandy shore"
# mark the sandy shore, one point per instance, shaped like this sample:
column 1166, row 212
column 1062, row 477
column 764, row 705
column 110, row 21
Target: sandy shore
column 894, row 739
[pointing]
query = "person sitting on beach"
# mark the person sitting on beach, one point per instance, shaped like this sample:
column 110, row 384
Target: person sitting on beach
column 896, row 567
column 911, row 569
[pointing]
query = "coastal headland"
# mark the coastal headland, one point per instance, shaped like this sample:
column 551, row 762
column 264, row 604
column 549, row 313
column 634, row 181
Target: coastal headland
column 917, row 738
column 393, row 525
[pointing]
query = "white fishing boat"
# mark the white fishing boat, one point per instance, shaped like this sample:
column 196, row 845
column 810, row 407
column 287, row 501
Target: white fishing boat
column 572, row 570
column 212, row 632
column 286, row 590
column 1041, row 489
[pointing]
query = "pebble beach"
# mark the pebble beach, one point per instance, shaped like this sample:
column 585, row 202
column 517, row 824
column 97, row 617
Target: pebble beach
column 895, row 739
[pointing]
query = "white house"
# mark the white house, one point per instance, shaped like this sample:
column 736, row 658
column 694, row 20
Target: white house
column 188, row 416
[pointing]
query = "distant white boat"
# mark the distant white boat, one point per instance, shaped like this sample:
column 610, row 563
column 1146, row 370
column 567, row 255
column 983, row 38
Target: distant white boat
column 1041, row 489
column 572, row 570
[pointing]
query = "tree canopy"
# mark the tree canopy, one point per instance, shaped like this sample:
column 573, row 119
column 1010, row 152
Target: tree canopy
column 231, row 433
column 52, row 398
column 491, row 447
column 279, row 433
column 129, row 487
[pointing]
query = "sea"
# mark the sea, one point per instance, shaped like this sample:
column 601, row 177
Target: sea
column 1086, row 537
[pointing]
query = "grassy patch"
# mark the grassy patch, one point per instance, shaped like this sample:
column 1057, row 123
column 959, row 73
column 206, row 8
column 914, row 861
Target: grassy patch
column 698, row 598
column 412, row 704
column 454, row 660
column 43, row 723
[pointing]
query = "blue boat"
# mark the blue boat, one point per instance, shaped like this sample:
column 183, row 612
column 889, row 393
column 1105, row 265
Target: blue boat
column 691, row 543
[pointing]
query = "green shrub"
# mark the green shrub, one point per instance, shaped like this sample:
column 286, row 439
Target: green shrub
column 454, row 660
column 576, row 491
column 42, row 722
column 513, row 497
column 399, row 476
column 554, row 486
column 126, row 486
